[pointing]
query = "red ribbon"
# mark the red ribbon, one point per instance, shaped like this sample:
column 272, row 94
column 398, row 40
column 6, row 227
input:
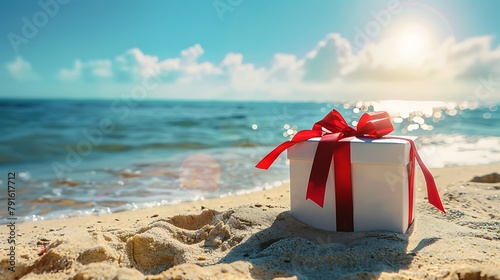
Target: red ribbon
column 331, row 129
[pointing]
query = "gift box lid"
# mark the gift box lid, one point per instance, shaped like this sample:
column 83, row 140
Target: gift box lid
column 363, row 150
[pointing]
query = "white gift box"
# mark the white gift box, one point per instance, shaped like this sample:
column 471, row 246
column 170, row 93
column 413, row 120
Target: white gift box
column 380, row 186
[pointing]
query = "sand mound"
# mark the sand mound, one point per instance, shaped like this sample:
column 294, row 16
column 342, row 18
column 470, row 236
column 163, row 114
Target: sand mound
column 489, row 178
column 155, row 251
column 106, row 271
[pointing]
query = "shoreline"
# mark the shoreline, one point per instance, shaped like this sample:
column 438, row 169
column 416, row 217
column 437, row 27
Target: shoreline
column 95, row 245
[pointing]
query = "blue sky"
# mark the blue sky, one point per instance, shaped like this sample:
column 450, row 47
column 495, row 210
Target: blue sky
column 251, row 50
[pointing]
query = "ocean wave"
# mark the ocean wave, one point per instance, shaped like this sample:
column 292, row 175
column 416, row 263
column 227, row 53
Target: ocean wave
column 443, row 150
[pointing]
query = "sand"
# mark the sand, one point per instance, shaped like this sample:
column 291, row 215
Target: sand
column 254, row 237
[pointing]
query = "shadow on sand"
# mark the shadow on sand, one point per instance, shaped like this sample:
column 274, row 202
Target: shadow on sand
column 289, row 247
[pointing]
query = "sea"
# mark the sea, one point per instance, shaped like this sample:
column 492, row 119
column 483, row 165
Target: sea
column 91, row 157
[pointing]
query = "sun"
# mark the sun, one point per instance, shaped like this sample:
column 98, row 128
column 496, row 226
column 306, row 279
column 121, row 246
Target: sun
column 413, row 42
column 410, row 44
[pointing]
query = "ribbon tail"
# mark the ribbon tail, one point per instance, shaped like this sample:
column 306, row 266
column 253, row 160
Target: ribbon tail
column 301, row 136
column 432, row 192
column 268, row 160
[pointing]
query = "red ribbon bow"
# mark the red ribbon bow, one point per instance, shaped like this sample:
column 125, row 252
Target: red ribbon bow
column 331, row 129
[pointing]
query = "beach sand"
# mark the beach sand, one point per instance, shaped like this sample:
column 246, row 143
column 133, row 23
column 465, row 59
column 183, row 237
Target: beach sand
column 253, row 236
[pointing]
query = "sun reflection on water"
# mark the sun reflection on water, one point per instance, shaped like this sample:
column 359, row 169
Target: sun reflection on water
column 407, row 116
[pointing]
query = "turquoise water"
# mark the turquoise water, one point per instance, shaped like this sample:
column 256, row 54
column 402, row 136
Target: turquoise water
column 85, row 157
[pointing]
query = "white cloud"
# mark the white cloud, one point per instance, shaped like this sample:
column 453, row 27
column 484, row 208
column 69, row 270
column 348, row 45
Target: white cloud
column 329, row 71
column 134, row 64
column 91, row 71
column 21, row 70
column 191, row 54
column 71, row 74
column 285, row 68
column 459, row 61
column 126, row 67
column 326, row 61
column 475, row 57
column 242, row 76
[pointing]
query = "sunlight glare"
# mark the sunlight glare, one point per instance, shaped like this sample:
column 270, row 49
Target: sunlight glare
column 411, row 43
